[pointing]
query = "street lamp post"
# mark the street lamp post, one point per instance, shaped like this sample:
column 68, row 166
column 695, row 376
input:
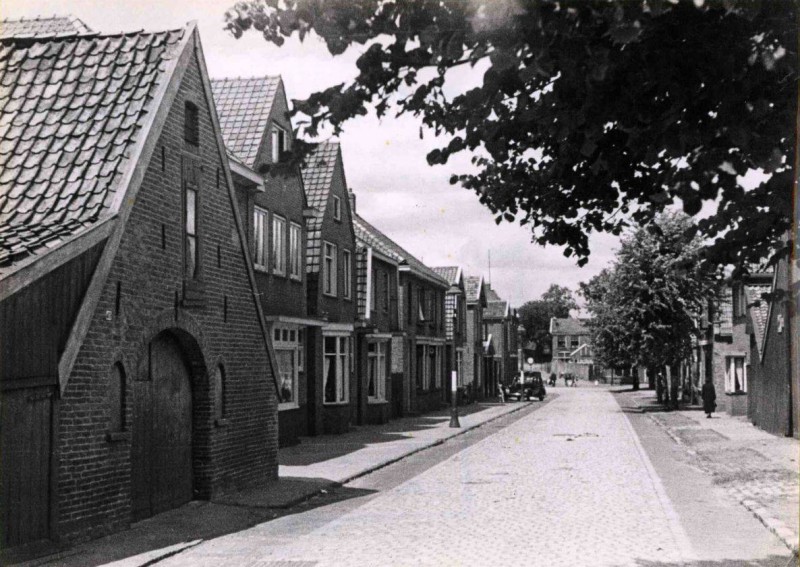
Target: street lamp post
column 454, row 381
column 520, row 368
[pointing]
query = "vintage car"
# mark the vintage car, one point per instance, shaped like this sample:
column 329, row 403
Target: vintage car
column 532, row 387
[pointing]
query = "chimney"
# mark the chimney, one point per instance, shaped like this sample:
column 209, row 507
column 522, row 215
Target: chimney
column 352, row 197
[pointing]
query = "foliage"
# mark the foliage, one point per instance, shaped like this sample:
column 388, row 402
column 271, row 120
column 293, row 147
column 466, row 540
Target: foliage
column 643, row 306
column 590, row 115
column 535, row 315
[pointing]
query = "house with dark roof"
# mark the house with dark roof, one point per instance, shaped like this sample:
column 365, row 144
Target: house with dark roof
column 134, row 347
column 772, row 390
column 377, row 293
column 254, row 118
column 330, row 292
column 478, row 346
column 500, row 321
column 455, row 323
column 572, row 347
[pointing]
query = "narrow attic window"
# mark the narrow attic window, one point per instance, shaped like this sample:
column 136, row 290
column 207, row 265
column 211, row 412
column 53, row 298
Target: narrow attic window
column 191, row 124
column 337, row 208
column 279, row 142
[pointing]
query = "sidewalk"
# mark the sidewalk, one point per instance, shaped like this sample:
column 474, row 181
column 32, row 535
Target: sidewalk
column 307, row 469
column 758, row 469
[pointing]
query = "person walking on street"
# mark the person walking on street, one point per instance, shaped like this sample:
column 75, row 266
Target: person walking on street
column 709, row 395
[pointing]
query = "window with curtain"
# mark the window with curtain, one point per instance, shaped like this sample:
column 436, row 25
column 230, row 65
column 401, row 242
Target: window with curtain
column 336, row 369
column 295, row 250
column 329, row 268
column 260, row 253
column 735, row 375
column 278, row 245
column 376, row 355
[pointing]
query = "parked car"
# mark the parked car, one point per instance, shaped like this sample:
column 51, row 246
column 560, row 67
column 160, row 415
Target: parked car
column 533, row 387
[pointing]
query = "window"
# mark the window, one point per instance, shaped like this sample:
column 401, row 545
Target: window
column 191, row 234
column 288, row 352
column 260, row 238
column 278, row 143
column 735, row 375
column 295, row 250
column 373, row 288
column 346, row 273
column 337, row 208
column 337, row 369
column 562, row 342
column 385, row 291
column 116, row 399
column 376, row 354
column 574, row 342
column 329, row 269
column 191, row 124
column 421, row 304
column 278, row 245
column 219, row 392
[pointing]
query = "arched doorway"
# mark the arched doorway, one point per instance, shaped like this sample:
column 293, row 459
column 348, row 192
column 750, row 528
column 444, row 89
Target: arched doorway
column 161, row 453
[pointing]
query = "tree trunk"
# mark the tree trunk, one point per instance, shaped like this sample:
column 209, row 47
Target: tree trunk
column 635, row 378
column 651, row 378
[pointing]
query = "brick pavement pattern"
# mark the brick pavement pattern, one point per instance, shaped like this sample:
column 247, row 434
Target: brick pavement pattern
column 573, row 471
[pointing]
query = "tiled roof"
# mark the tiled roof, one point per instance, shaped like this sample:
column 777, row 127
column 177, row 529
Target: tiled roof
column 568, row 326
column 496, row 309
column 317, row 177
column 449, row 273
column 758, row 309
column 70, row 111
column 390, row 248
column 491, row 294
column 243, row 106
column 368, row 235
column 472, row 287
column 318, row 173
column 40, row 27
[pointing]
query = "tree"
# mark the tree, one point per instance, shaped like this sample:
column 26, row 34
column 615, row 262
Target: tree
column 535, row 316
column 590, row 116
column 643, row 307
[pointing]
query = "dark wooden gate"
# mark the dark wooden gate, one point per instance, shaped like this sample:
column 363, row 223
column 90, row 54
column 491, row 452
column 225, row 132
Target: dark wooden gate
column 162, row 432
column 26, row 427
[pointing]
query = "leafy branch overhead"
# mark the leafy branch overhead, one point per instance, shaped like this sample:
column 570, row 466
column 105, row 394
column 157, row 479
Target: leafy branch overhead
column 589, row 115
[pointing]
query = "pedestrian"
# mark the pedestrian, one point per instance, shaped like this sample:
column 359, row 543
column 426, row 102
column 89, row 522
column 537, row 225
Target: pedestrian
column 709, row 395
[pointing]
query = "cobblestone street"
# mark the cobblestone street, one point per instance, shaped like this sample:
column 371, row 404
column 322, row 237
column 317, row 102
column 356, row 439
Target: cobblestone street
column 569, row 484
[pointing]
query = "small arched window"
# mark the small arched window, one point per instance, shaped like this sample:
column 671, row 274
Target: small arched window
column 219, row 392
column 116, row 398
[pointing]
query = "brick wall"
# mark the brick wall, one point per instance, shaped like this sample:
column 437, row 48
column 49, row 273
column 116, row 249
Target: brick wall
column 94, row 487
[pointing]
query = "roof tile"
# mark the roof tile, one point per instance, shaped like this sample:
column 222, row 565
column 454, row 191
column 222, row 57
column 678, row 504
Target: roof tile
column 59, row 172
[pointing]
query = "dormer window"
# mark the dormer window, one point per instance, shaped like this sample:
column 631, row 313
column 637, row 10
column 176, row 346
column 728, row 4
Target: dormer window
column 279, row 142
column 191, row 124
column 337, row 208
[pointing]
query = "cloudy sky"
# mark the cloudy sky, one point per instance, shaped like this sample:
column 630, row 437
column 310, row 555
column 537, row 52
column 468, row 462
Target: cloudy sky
column 384, row 160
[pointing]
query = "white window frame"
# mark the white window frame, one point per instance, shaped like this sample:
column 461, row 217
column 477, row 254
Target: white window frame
column 260, row 238
column 275, row 146
column 730, row 374
column 340, row 359
column 295, row 251
column 278, row 245
column 329, row 270
column 376, row 360
column 286, row 338
column 337, row 208
column 347, row 274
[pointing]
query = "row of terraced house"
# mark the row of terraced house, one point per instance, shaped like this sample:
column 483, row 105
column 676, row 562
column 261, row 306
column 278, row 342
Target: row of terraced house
column 178, row 300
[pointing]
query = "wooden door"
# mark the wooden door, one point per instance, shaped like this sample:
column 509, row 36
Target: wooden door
column 162, row 433
column 26, row 432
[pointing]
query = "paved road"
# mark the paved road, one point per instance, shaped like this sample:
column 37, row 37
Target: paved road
column 569, row 484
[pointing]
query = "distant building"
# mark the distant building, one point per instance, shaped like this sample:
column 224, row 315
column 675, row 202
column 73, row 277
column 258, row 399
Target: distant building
column 500, row 322
column 572, row 347
column 477, row 346
column 455, row 323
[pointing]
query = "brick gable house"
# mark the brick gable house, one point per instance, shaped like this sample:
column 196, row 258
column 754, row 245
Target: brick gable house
column 455, row 323
column 499, row 321
column 477, row 344
column 254, row 117
column 136, row 372
column 330, row 269
column 572, row 347
column 377, row 289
